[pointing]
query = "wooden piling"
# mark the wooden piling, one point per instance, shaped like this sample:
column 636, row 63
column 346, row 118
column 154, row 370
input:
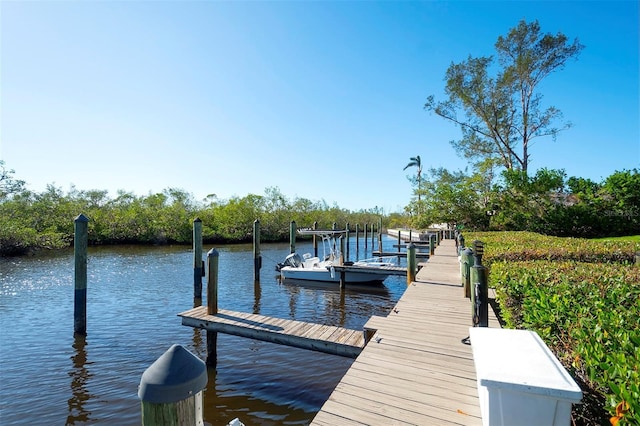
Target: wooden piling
column 411, row 263
column 212, row 303
column 399, row 240
column 365, row 237
column 257, row 259
column 80, row 242
column 212, row 281
column 357, row 239
column 346, row 238
column 373, row 237
column 198, row 270
column 171, row 389
column 315, row 239
column 292, row 236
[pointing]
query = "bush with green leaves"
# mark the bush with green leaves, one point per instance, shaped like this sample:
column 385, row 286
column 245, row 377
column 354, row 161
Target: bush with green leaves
column 583, row 298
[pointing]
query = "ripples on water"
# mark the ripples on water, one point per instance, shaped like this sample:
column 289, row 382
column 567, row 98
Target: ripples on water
column 134, row 294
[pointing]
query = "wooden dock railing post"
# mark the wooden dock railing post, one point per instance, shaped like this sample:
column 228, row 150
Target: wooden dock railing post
column 80, row 242
column 460, row 239
column 212, row 304
column 198, row 269
column 479, row 288
column 292, row 236
column 411, row 263
column 257, row 259
column 171, row 389
column 432, row 244
column 466, row 259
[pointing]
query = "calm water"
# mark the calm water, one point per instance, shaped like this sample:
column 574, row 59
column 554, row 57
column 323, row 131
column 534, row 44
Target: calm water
column 50, row 377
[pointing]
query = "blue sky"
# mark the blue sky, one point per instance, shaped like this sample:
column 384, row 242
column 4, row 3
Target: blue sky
column 321, row 99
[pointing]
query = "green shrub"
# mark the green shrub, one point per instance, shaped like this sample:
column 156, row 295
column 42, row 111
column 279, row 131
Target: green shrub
column 583, row 298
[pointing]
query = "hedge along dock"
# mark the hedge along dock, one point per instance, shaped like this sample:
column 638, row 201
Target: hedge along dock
column 416, row 369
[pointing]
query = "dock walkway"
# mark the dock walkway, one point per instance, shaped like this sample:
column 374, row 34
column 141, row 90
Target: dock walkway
column 416, row 368
column 300, row 334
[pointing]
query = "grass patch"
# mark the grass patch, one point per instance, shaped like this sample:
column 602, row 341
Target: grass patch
column 633, row 238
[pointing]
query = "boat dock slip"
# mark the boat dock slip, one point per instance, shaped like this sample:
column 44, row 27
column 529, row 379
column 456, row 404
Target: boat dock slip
column 387, row 270
column 399, row 254
column 416, row 370
column 306, row 335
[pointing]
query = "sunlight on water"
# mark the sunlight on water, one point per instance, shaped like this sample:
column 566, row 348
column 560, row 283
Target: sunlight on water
column 133, row 297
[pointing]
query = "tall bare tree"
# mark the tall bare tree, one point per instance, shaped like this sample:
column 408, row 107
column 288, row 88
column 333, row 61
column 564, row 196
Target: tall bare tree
column 500, row 115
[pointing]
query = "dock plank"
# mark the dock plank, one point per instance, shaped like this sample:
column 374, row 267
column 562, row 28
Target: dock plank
column 300, row 334
column 416, row 369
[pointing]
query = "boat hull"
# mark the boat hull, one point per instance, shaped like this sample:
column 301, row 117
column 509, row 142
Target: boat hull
column 328, row 275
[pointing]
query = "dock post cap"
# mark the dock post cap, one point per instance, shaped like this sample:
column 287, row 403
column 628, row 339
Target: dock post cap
column 175, row 376
column 81, row 218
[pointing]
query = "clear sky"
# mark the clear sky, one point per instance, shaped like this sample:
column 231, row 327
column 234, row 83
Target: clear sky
column 321, row 99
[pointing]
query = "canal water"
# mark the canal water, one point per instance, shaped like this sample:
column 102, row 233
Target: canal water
column 48, row 376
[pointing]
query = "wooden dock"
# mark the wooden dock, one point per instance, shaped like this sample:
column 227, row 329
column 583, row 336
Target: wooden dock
column 416, row 370
column 388, row 270
column 419, row 254
column 324, row 338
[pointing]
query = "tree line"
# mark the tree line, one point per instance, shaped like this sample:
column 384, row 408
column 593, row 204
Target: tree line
column 495, row 102
column 546, row 202
column 31, row 220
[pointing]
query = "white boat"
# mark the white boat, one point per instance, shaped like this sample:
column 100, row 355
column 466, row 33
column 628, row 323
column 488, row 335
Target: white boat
column 330, row 268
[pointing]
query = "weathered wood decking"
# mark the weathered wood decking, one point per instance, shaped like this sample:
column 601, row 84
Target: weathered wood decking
column 416, row 369
column 324, row 338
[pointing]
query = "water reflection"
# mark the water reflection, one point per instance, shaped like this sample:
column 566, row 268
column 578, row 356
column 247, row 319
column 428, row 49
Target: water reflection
column 80, row 375
column 257, row 294
column 136, row 292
